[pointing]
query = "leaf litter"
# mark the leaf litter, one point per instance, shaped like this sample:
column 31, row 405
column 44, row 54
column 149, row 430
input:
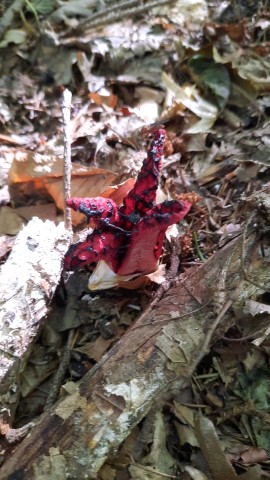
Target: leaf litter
column 204, row 73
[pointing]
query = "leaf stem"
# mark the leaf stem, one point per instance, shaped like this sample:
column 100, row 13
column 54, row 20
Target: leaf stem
column 197, row 247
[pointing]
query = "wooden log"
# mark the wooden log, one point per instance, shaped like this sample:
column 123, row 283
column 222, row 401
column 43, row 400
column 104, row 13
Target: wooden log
column 28, row 281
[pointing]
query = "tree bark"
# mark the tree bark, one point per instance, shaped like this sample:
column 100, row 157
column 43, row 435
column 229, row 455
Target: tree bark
column 156, row 355
column 28, row 281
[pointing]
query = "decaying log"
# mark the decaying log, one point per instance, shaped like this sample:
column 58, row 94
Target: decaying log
column 156, row 355
column 27, row 282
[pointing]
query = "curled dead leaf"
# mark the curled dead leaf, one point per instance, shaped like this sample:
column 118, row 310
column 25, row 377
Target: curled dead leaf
column 32, row 173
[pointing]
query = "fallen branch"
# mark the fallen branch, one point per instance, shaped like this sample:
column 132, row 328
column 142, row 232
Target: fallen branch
column 28, row 280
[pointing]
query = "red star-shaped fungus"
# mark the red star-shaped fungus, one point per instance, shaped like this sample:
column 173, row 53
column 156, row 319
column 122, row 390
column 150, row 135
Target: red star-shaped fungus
column 129, row 238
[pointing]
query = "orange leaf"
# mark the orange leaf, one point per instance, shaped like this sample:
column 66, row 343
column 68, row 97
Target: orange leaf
column 31, row 173
column 90, row 184
column 118, row 192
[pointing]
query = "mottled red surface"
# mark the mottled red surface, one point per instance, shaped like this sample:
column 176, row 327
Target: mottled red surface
column 129, row 238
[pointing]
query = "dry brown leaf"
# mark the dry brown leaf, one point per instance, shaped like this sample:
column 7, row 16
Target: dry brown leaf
column 158, row 276
column 139, row 282
column 209, row 442
column 28, row 166
column 104, row 100
column 253, row 358
column 254, row 455
column 135, row 442
column 218, row 463
column 246, row 454
column 6, row 244
column 118, row 192
column 86, row 185
column 37, row 370
column 97, row 348
column 184, row 414
column 159, row 456
column 10, row 222
column 195, row 474
column 45, row 211
column 38, row 172
column 186, row 435
column 4, row 427
column 255, row 308
column 103, row 277
column 107, row 473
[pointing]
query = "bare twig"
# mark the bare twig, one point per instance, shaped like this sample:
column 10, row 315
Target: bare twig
column 222, row 305
column 16, row 434
column 152, row 470
column 67, row 155
column 242, row 339
column 165, row 320
column 61, row 372
column 208, row 337
column 118, row 11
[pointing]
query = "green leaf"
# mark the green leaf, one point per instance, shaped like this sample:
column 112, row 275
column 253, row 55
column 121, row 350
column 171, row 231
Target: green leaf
column 43, row 7
column 211, row 76
column 13, row 36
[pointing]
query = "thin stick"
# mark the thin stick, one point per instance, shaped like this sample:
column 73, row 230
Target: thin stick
column 204, row 349
column 67, row 155
column 223, row 305
column 118, row 11
column 61, row 372
column 152, row 470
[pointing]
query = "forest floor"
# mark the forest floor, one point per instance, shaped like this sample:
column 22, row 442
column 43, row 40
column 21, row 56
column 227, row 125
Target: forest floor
column 201, row 71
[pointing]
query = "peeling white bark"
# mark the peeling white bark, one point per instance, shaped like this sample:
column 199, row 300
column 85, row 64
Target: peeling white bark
column 27, row 282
